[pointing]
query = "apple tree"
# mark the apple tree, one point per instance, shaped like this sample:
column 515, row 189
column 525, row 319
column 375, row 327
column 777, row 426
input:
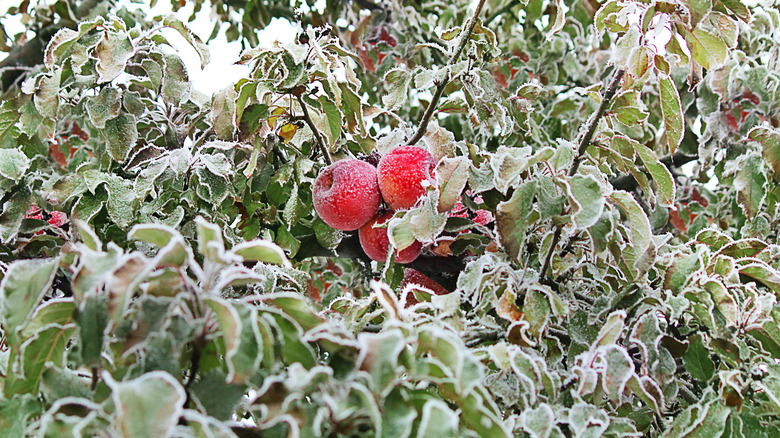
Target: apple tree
column 595, row 245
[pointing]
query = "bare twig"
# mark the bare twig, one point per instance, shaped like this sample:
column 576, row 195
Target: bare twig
column 317, row 135
column 584, row 143
column 465, row 37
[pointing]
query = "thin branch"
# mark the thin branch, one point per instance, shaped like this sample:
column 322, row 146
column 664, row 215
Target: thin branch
column 502, row 11
column 594, row 121
column 317, row 135
column 584, row 143
column 465, row 37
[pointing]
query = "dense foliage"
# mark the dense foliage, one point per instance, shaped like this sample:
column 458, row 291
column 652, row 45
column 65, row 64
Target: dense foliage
column 165, row 273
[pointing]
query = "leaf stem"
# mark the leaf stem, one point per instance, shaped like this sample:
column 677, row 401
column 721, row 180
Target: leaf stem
column 317, row 135
column 584, row 143
column 465, row 37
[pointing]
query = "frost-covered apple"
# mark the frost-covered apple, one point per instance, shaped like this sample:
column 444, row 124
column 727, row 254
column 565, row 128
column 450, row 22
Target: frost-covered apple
column 401, row 173
column 375, row 241
column 346, row 194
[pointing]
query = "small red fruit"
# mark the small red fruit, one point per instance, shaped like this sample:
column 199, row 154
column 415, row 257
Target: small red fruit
column 415, row 277
column 375, row 241
column 346, row 194
column 401, row 173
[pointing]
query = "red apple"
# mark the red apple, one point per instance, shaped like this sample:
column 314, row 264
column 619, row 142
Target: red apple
column 413, row 276
column 401, row 173
column 375, row 241
column 346, row 194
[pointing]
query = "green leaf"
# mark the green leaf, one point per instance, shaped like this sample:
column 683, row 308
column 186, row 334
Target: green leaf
column 586, row 199
column 664, row 182
column 103, row 107
column 112, row 53
column 707, row 49
column 698, row 362
column 261, row 251
column 120, row 135
column 437, row 420
column 156, row 234
column 23, row 286
column 750, row 184
column 176, row 85
column 148, row 406
column 218, row 399
column 45, row 346
column 210, row 242
column 671, row 109
column 452, row 175
column 769, row 139
column 379, row 357
column 397, row 83
column 202, row 49
column 14, row 415
column 243, row 343
column 641, row 233
column 512, row 218
column 13, row 164
column 92, row 319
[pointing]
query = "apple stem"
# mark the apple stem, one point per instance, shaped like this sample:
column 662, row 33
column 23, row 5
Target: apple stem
column 315, row 131
column 464, row 39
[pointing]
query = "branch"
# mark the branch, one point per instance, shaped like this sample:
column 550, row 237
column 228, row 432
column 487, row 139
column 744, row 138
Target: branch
column 584, row 143
column 502, row 11
column 465, row 37
column 595, row 119
column 317, row 135
column 30, row 53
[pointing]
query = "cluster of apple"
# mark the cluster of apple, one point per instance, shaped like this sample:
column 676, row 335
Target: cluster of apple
column 348, row 195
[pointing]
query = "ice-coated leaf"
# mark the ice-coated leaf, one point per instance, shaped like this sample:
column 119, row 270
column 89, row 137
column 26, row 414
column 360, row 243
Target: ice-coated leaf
column 199, row 46
column 46, row 345
column 210, row 242
column 437, row 420
column 219, row 399
column 397, row 82
column 92, row 320
column 217, row 164
column 14, row 414
column 539, row 422
column 176, row 84
column 243, row 343
column 147, row 406
column 641, row 235
column 223, row 110
column 698, row 9
column 122, row 201
column 558, row 20
column 120, row 135
column 452, row 175
column 618, row 372
column 297, row 307
column 56, row 311
column 23, row 286
column 379, row 357
column 700, row 420
column 156, row 234
column 707, row 49
column 665, row 189
column 103, row 107
column 698, row 362
column 769, row 139
column 261, row 251
column 750, row 184
column 586, row 199
column 13, row 164
column 509, row 163
column 112, row 53
column 332, row 119
column 612, row 329
column 671, row 109
column 512, row 217
column 66, row 38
